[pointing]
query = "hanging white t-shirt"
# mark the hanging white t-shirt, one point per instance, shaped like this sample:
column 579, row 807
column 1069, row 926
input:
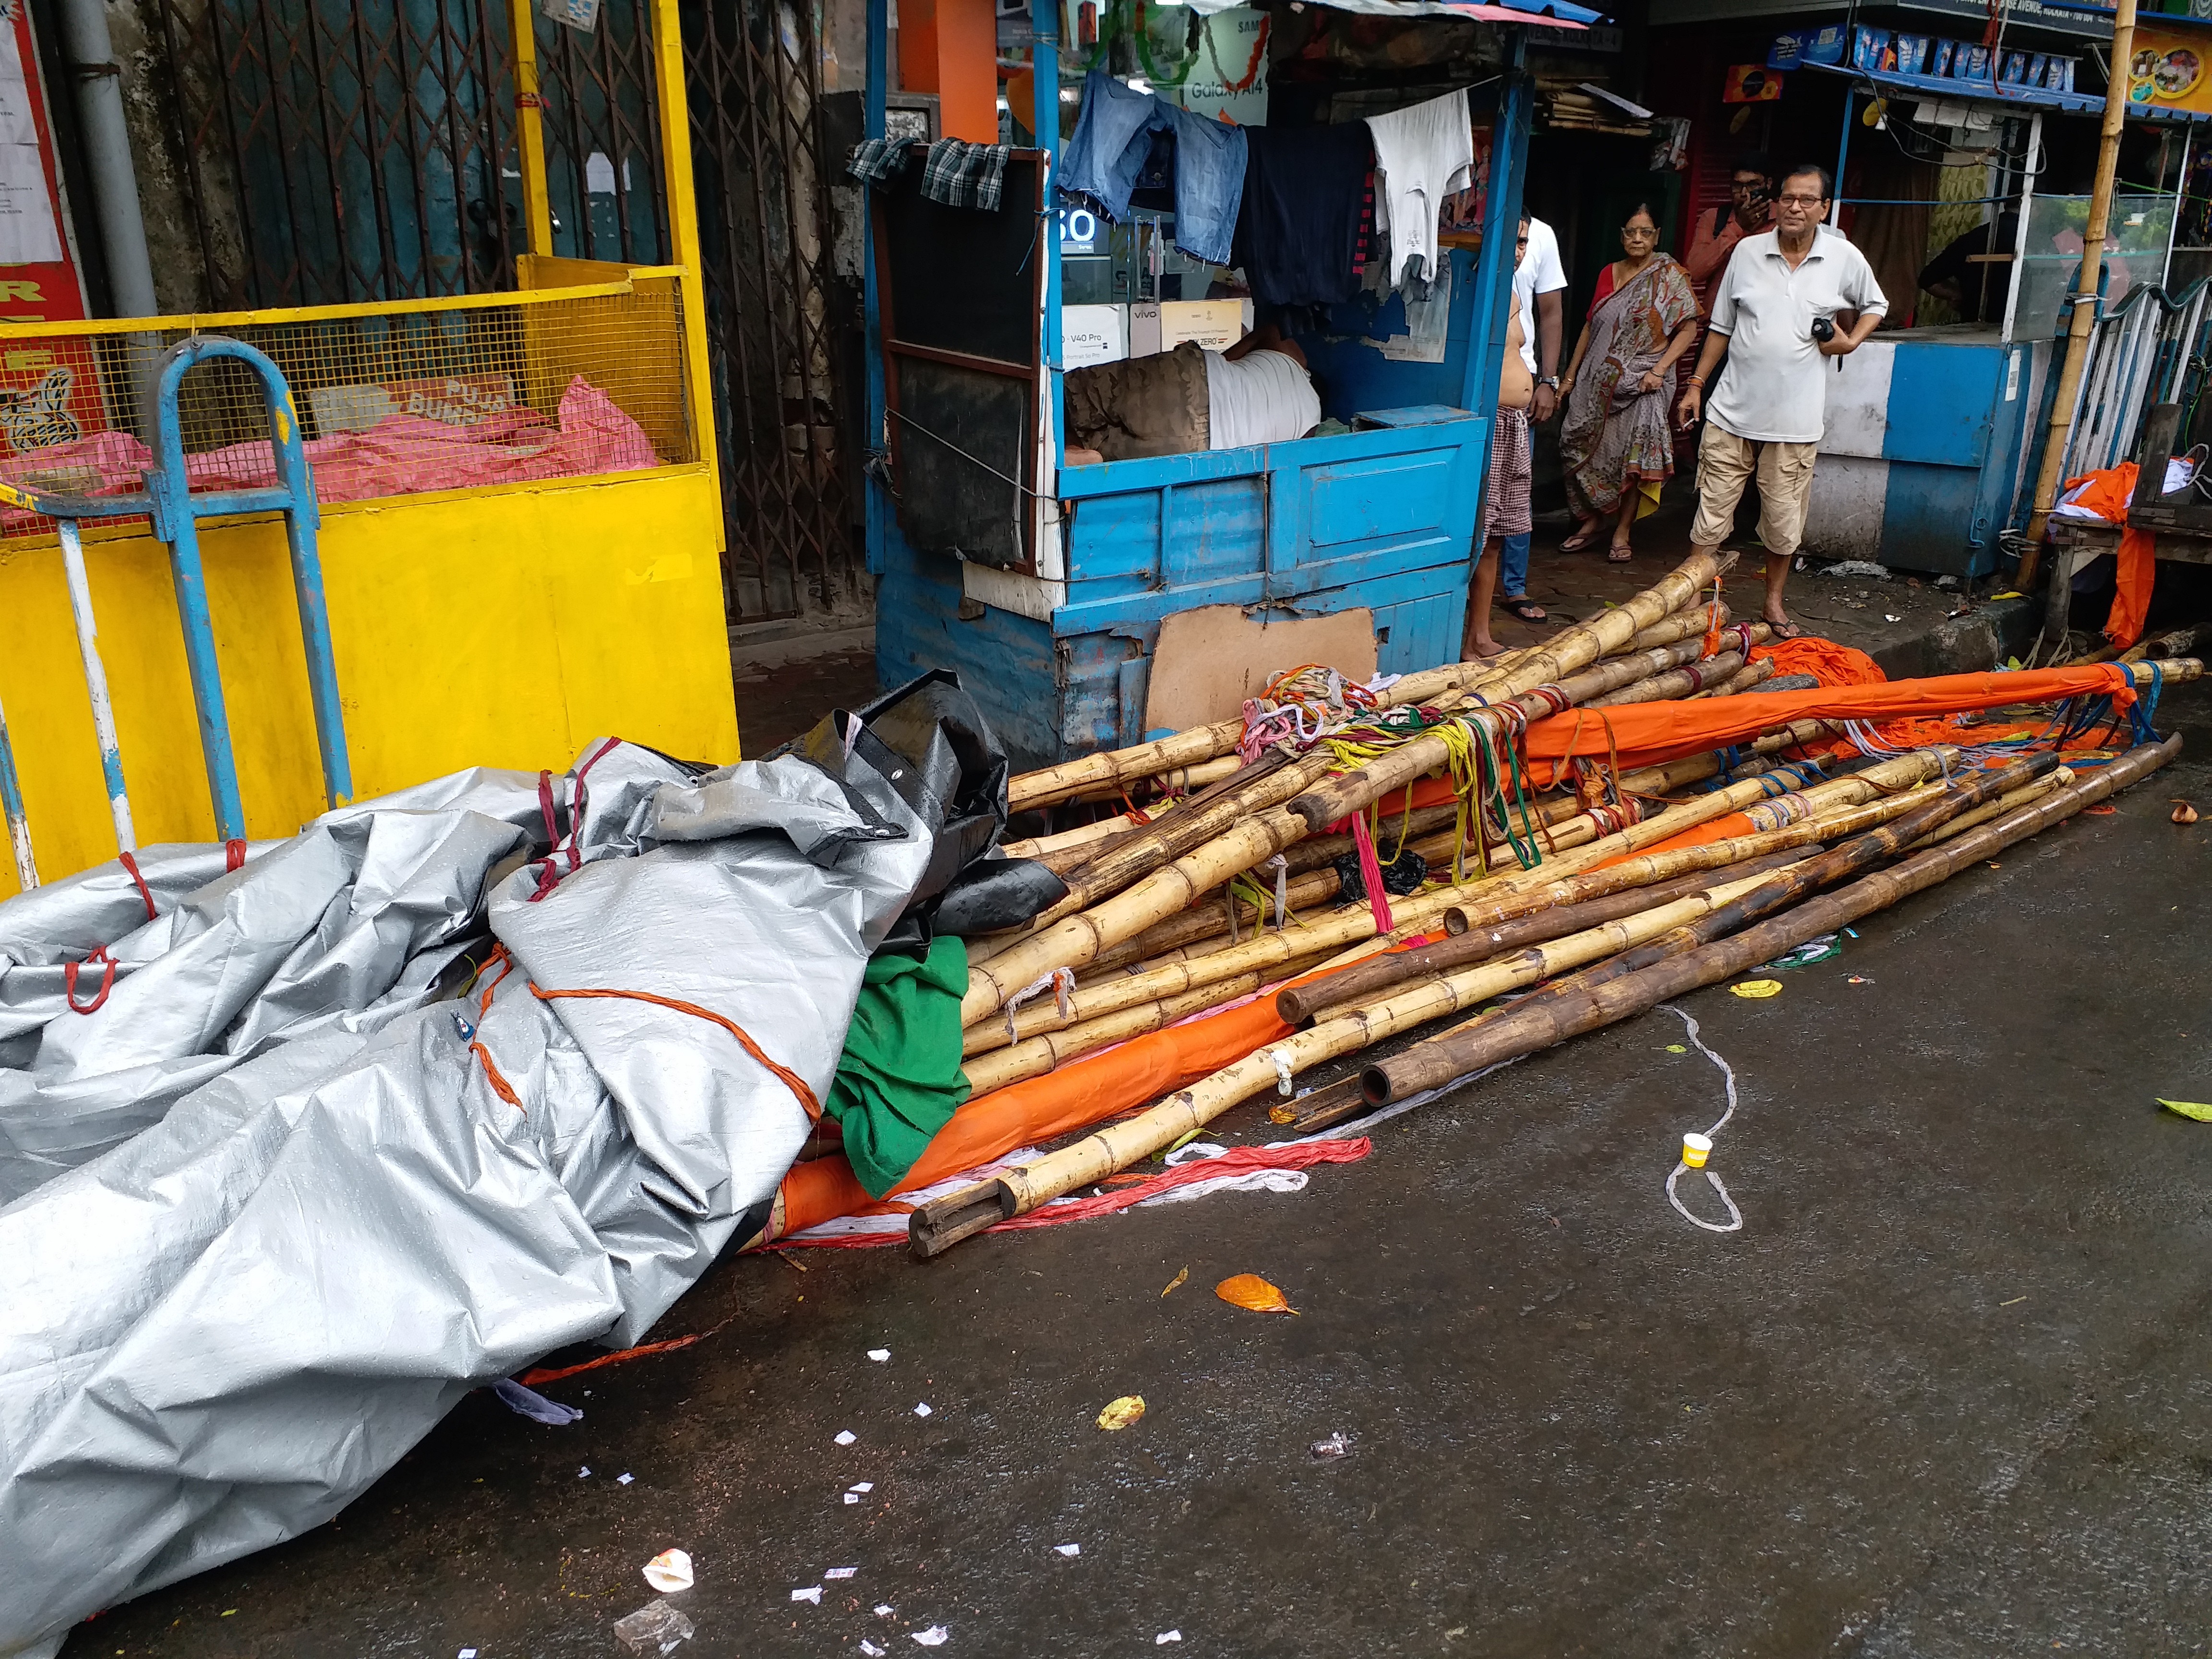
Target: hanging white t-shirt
column 1262, row 398
column 1538, row 272
column 1422, row 154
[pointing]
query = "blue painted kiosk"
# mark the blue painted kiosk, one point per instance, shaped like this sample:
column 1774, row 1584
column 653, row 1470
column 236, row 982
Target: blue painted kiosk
column 1045, row 584
column 1933, row 433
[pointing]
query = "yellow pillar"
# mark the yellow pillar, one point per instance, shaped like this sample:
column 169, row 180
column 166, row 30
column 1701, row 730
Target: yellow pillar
column 683, row 235
column 530, row 127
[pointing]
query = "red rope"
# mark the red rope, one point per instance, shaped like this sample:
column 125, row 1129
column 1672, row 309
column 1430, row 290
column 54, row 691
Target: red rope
column 107, row 979
column 145, row 892
column 233, row 855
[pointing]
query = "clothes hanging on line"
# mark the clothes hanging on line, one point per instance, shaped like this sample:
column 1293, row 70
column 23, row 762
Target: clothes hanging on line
column 1308, row 204
column 1422, row 154
column 1113, row 141
column 956, row 172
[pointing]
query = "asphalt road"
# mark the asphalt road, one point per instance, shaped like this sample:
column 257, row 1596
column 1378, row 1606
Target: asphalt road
column 1947, row 1393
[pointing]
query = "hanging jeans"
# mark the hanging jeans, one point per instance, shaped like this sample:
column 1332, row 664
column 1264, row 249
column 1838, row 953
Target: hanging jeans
column 1113, row 136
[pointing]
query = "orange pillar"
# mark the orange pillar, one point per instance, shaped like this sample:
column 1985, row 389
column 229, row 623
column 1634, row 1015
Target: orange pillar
column 950, row 47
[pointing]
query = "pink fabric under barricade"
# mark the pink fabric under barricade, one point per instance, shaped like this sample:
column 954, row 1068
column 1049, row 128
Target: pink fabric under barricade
column 400, row 455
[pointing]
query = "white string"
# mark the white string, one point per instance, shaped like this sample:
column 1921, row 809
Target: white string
column 1281, row 867
column 1283, row 1084
column 1728, row 1072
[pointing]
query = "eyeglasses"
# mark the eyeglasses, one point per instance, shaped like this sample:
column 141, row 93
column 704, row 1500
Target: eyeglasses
column 1638, row 230
column 1801, row 201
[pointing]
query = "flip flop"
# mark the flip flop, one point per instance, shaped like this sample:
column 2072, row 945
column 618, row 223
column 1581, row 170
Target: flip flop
column 1526, row 608
column 1579, row 540
column 1619, row 554
column 1789, row 630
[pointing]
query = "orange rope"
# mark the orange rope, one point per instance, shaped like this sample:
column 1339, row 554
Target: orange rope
column 538, row 1378
column 789, row 1078
column 500, row 1085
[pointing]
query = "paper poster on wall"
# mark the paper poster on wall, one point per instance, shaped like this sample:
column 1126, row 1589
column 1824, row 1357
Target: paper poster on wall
column 1229, row 71
column 50, row 390
column 2167, row 70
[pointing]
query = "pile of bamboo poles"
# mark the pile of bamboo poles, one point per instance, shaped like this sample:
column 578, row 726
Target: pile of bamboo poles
column 1170, row 918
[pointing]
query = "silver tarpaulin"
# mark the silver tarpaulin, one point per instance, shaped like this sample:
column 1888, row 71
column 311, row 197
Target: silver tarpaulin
column 283, row 1197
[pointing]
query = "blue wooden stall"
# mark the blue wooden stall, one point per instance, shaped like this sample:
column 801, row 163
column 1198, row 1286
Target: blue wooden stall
column 1380, row 516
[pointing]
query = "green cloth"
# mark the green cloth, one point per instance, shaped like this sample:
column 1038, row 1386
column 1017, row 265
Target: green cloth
column 898, row 1081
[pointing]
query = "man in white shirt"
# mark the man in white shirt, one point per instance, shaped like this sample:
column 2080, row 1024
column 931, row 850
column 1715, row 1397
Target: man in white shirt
column 1539, row 284
column 1782, row 288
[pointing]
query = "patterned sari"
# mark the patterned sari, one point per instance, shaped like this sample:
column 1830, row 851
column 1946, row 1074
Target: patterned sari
column 1615, row 435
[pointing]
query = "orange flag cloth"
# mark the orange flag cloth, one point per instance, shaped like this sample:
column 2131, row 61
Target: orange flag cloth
column 1649, row 734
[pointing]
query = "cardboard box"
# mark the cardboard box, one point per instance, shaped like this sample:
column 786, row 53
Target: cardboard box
column 1912, row 54
column 1093, row 334
column 1970, row 63
column 1217, row 324
column 1871, row 49
column 1939, row 62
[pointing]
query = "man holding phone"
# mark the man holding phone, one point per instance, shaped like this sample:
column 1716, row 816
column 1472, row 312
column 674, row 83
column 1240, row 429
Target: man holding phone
column 1775, row 316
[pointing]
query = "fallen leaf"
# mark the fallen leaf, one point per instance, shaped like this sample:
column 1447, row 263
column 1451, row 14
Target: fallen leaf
column 1252, row 1291
column 1757, row 988
column 2196, row 1109
column 1177, row 1282
column 2184, row 812
column 1123, row 1412
column 1678, row 1049
column 1279, row 1113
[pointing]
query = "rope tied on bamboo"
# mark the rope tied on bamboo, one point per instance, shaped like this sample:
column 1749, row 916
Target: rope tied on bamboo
column 1782, row 811
column 1061, row 983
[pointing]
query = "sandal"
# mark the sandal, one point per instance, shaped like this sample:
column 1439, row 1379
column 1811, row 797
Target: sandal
column 1620, row 553
column 1784, row 630
column 1525, row 608
column 1579, row 540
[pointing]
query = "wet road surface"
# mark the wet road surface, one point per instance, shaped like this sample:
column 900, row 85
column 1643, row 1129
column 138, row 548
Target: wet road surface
column 1947, row 1393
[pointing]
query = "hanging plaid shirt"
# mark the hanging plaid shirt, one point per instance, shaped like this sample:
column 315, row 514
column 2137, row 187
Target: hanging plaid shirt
column 961, row 175
column 879, row 161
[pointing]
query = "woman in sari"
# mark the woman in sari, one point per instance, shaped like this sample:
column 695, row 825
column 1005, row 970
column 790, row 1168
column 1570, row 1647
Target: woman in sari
column 1615, row 440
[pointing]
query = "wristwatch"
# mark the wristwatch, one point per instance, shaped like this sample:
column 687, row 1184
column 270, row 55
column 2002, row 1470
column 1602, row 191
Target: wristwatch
column 1551, row 380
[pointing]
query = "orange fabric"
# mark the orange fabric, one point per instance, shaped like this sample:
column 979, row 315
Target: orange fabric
column 1824, row 660
column 1042, row 1109
column 2138, row 570
column 1650, row 734
column 2106, row 493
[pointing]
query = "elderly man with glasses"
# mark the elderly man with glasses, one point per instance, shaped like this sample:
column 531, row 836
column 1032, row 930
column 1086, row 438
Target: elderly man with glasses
column 1791, row 298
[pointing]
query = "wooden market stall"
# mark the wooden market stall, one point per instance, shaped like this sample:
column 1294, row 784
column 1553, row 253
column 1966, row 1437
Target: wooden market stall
column 1046, row 584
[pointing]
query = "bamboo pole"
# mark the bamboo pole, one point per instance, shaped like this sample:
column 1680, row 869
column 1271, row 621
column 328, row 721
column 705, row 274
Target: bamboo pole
column 1298, row 1004
column 1996, row 809
column 1750, row 674
column 1568, row 653
column 1439, row 1060
column 1683, row 682
column 1035, row 1056
column 2085, row 300
column 1146, row 849
column 937, row 1226
column 1539, row 1022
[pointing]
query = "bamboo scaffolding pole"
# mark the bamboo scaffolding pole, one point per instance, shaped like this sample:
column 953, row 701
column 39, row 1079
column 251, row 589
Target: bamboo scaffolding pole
column 1111, row 769
column 1298, row 1004
column 1654, row 867
column 1684, row 682
column 1751, row 674
column 1429, row 1064
column 1146, row 849
column 1210, row 917
column 1567, row 654
column 1422, row 823
column 1539, row 1022
column 1998, row 808
column 1082, row 937
column 937, row 1226
column 1035, row 1056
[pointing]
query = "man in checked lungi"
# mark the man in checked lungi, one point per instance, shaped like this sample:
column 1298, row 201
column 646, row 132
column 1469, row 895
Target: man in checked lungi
column 1506, row 492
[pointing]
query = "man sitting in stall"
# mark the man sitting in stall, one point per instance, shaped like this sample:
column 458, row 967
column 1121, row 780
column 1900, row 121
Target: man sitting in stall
column 1180, row 402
